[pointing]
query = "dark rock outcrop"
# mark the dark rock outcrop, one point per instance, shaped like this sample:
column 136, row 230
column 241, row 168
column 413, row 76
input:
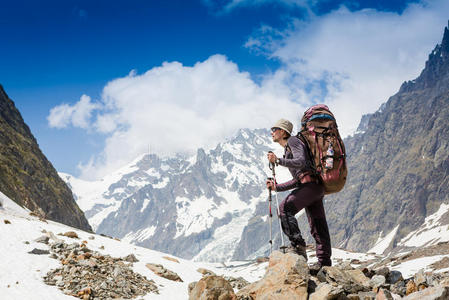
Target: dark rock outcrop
column 27, row 177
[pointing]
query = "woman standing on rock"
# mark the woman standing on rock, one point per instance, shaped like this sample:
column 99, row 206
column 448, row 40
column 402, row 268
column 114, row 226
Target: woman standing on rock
column 308, row 193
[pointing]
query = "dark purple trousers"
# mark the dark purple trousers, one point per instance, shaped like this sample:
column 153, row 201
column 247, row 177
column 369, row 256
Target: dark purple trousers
column 308, row 196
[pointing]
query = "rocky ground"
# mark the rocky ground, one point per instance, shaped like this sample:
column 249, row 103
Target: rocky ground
column 288, row 277
column 90, row 275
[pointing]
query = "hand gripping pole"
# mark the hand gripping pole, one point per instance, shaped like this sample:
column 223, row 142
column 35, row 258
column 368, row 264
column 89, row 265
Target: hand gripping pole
column 270, row 216
column 283, row 247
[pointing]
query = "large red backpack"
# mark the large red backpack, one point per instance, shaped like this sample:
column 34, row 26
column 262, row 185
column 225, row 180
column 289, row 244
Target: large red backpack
column 319, row 132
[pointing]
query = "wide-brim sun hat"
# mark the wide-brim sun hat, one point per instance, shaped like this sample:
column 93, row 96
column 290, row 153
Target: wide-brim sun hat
column 284, row 124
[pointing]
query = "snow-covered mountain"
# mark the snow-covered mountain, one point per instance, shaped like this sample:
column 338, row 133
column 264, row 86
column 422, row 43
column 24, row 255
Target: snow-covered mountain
column 193, row 207
column 211, row 206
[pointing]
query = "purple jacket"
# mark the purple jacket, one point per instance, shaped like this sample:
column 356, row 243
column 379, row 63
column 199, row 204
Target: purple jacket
column 296, row 159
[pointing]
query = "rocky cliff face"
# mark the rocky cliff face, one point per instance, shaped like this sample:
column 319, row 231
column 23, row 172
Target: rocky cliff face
column 398, row 164
column 27, row 177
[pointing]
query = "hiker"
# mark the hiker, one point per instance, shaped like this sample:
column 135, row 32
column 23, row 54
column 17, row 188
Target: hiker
column 308, row 193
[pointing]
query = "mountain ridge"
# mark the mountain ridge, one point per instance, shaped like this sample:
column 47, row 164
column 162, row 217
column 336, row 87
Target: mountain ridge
column 399, row 164
column 26, row 175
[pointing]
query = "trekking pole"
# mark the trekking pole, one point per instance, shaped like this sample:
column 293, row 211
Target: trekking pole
column 282, row 247
column 270, row 216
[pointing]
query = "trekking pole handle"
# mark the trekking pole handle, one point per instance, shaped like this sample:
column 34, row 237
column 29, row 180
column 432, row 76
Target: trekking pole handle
column 270, row 179
column 270, row 164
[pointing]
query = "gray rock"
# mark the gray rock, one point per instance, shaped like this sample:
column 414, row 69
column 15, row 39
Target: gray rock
column 420, row 278
column 39, row 251
column 377, row 281
column 131, row 258
column 394, row 277
column 163, row 272
column 236, row 283
column 382, row 271
column 367, row 295
column 43, row 239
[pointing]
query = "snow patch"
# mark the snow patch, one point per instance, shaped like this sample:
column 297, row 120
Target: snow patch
column 11, row 206
column 96, row 220
column 409, row 268
column 161, row 184
column 194, row 215
column 431, row 232
column 144, row 204
column 383, row 242
column 140, row 235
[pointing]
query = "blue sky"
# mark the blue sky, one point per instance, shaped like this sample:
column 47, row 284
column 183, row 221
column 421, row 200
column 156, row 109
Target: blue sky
column 242, row 54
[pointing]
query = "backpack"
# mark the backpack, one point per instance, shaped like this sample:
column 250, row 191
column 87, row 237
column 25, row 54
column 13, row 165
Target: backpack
column 319, row 133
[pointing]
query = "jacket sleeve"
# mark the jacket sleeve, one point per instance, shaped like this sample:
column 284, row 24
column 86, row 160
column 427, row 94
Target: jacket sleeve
column 280, row 187
column 299, row 155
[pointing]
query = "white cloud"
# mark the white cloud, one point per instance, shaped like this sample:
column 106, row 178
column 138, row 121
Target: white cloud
column 354, row 61
column 176, row 108
column 77, row 115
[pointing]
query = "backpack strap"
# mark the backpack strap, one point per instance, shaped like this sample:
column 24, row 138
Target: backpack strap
column 309, row 153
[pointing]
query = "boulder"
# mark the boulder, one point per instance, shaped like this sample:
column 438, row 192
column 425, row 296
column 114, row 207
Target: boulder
column 43, row 239
column 163, row 272
column 352, row 281
column 385, row 294
column 286, row 278
column 171, row 259
column 71, row 234
column 211, row 288
column 432, row 293
column 394, row 277
column 326, row 291
column 410, row 287
column 377, row 281
column 131, row 258
column 420, row 279
column 384, row 271
column 39, row 251
column 205, row 272
column 237, row 283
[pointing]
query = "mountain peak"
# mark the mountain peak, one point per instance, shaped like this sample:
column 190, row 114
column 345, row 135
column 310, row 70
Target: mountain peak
column 445, row 42
column 436, row 71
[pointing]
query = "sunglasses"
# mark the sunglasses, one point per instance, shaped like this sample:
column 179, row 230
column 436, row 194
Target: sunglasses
column 274, row 129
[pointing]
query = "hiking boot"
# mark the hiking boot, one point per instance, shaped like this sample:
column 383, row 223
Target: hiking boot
column 299, row 249
column 316, row 267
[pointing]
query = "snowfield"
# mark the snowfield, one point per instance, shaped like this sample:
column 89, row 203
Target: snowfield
column 21, row 274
